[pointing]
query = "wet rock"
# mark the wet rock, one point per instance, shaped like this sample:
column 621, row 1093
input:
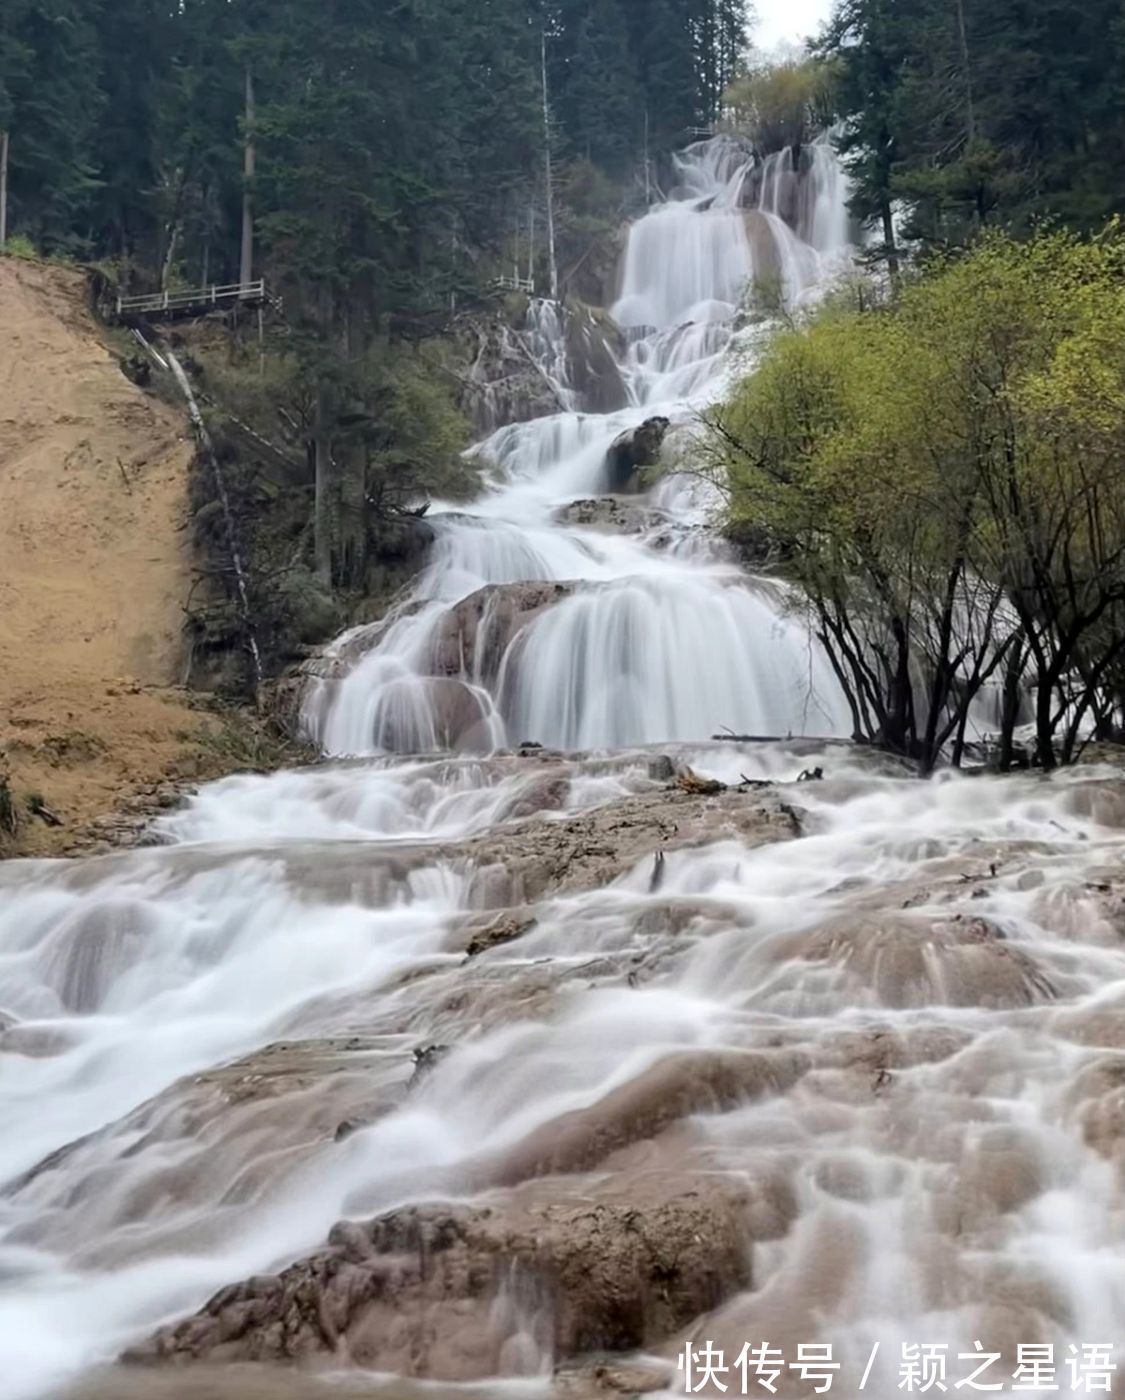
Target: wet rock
column 37, row 1042
column 612, row 514
column 1100, row 802
column 416, row 1292
column 594, row 349
column 633, row 451
column 439, row 712
column 687, row 780
column 426, row 1059
column 678, row 1086
column 473, row 636
column 546, row 792
column 903, row 960
column 768, row 271
column 85, row 955
column 1099, row 1094
column 606, row 1379
column 595, row 848
column 495, row 932
column 661, row 769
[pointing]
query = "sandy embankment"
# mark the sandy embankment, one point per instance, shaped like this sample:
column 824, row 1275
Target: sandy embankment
column 94, row 565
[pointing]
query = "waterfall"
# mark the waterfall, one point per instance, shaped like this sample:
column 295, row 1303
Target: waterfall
column 616, row 660
column 205, row 444
column 570, row 1058
column 621, row 664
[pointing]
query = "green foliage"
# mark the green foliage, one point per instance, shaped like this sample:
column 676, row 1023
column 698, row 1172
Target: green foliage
column 619, row 68
column 9, row 812
column 22, row 247
column 971, row 114
column 776, row 105
column 242, row 742
column 388, row 435
column 50, row 67
column 944, row 473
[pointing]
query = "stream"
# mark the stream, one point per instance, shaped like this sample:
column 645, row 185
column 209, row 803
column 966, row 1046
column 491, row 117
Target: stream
column 617, row 1064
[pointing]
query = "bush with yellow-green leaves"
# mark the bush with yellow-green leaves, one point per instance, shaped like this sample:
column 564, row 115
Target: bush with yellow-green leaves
column 943, row 468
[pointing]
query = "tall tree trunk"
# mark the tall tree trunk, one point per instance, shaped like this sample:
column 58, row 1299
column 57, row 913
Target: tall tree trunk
column 351, row 516
column 322, row 507
column 970, row 110
column 1009, row 714
column 169, row 253
column 889, row 239
column 3, row 189
column 246, row 266
column 554, row 270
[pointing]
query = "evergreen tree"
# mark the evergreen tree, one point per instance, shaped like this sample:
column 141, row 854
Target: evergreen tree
column 972, row 114
column 55, row 98
column 600, row 100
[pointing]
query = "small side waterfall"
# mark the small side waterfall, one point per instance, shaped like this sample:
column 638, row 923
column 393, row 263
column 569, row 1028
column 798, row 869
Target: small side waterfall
column 204, row 439
column 618, row 659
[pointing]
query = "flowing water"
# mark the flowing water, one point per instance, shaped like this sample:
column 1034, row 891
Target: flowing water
column 835, row 1062
column 621, row 659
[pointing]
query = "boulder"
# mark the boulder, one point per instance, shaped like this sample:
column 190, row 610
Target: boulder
column 632, row 451
column 613, row 514
column 446, row 1292
column 471, row 639
column 420, row 714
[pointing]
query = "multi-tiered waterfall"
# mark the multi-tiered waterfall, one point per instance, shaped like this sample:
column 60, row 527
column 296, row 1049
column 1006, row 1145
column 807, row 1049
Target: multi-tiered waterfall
column 577, row 1060
column 620, row 658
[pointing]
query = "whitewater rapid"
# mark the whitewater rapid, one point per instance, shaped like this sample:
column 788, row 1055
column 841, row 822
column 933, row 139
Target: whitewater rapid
column 949, row 1137
column 210, row 1048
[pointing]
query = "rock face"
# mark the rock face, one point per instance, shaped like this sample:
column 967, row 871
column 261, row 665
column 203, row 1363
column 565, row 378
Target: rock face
column 437, row 1291
column 589, row 849
column 472, row 637
column 435, row 712
column 594, row 347
column 634, row 450
column 503, row 384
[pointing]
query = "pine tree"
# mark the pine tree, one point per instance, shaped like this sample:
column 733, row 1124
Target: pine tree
column 600, row 99
column 54, row 99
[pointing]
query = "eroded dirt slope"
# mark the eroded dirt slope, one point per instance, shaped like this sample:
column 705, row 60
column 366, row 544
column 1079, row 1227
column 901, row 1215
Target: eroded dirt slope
column 94, row 564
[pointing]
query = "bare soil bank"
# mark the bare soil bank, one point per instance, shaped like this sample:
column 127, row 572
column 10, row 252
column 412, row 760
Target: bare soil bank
column 94, row 572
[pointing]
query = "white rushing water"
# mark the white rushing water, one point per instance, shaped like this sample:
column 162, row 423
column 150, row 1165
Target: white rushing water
column 620, row 660
column 929, row 977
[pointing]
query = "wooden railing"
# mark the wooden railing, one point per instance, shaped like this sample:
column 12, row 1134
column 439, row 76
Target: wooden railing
column 514, row 284
column 196, row 297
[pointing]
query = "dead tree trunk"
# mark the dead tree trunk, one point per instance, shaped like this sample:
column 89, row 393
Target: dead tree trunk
column 246, row 265
column 322, row 505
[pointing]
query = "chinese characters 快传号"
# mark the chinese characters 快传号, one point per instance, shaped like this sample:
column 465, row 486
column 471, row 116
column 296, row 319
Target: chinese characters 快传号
column 1081, row 1369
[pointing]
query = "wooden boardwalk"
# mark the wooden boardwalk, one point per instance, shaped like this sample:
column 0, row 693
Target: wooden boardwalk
column 193, row 302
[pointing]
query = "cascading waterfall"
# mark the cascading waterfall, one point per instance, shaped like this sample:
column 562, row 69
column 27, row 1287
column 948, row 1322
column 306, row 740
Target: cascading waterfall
column 623, row 665
column 834, row 1063
column 641, row 621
